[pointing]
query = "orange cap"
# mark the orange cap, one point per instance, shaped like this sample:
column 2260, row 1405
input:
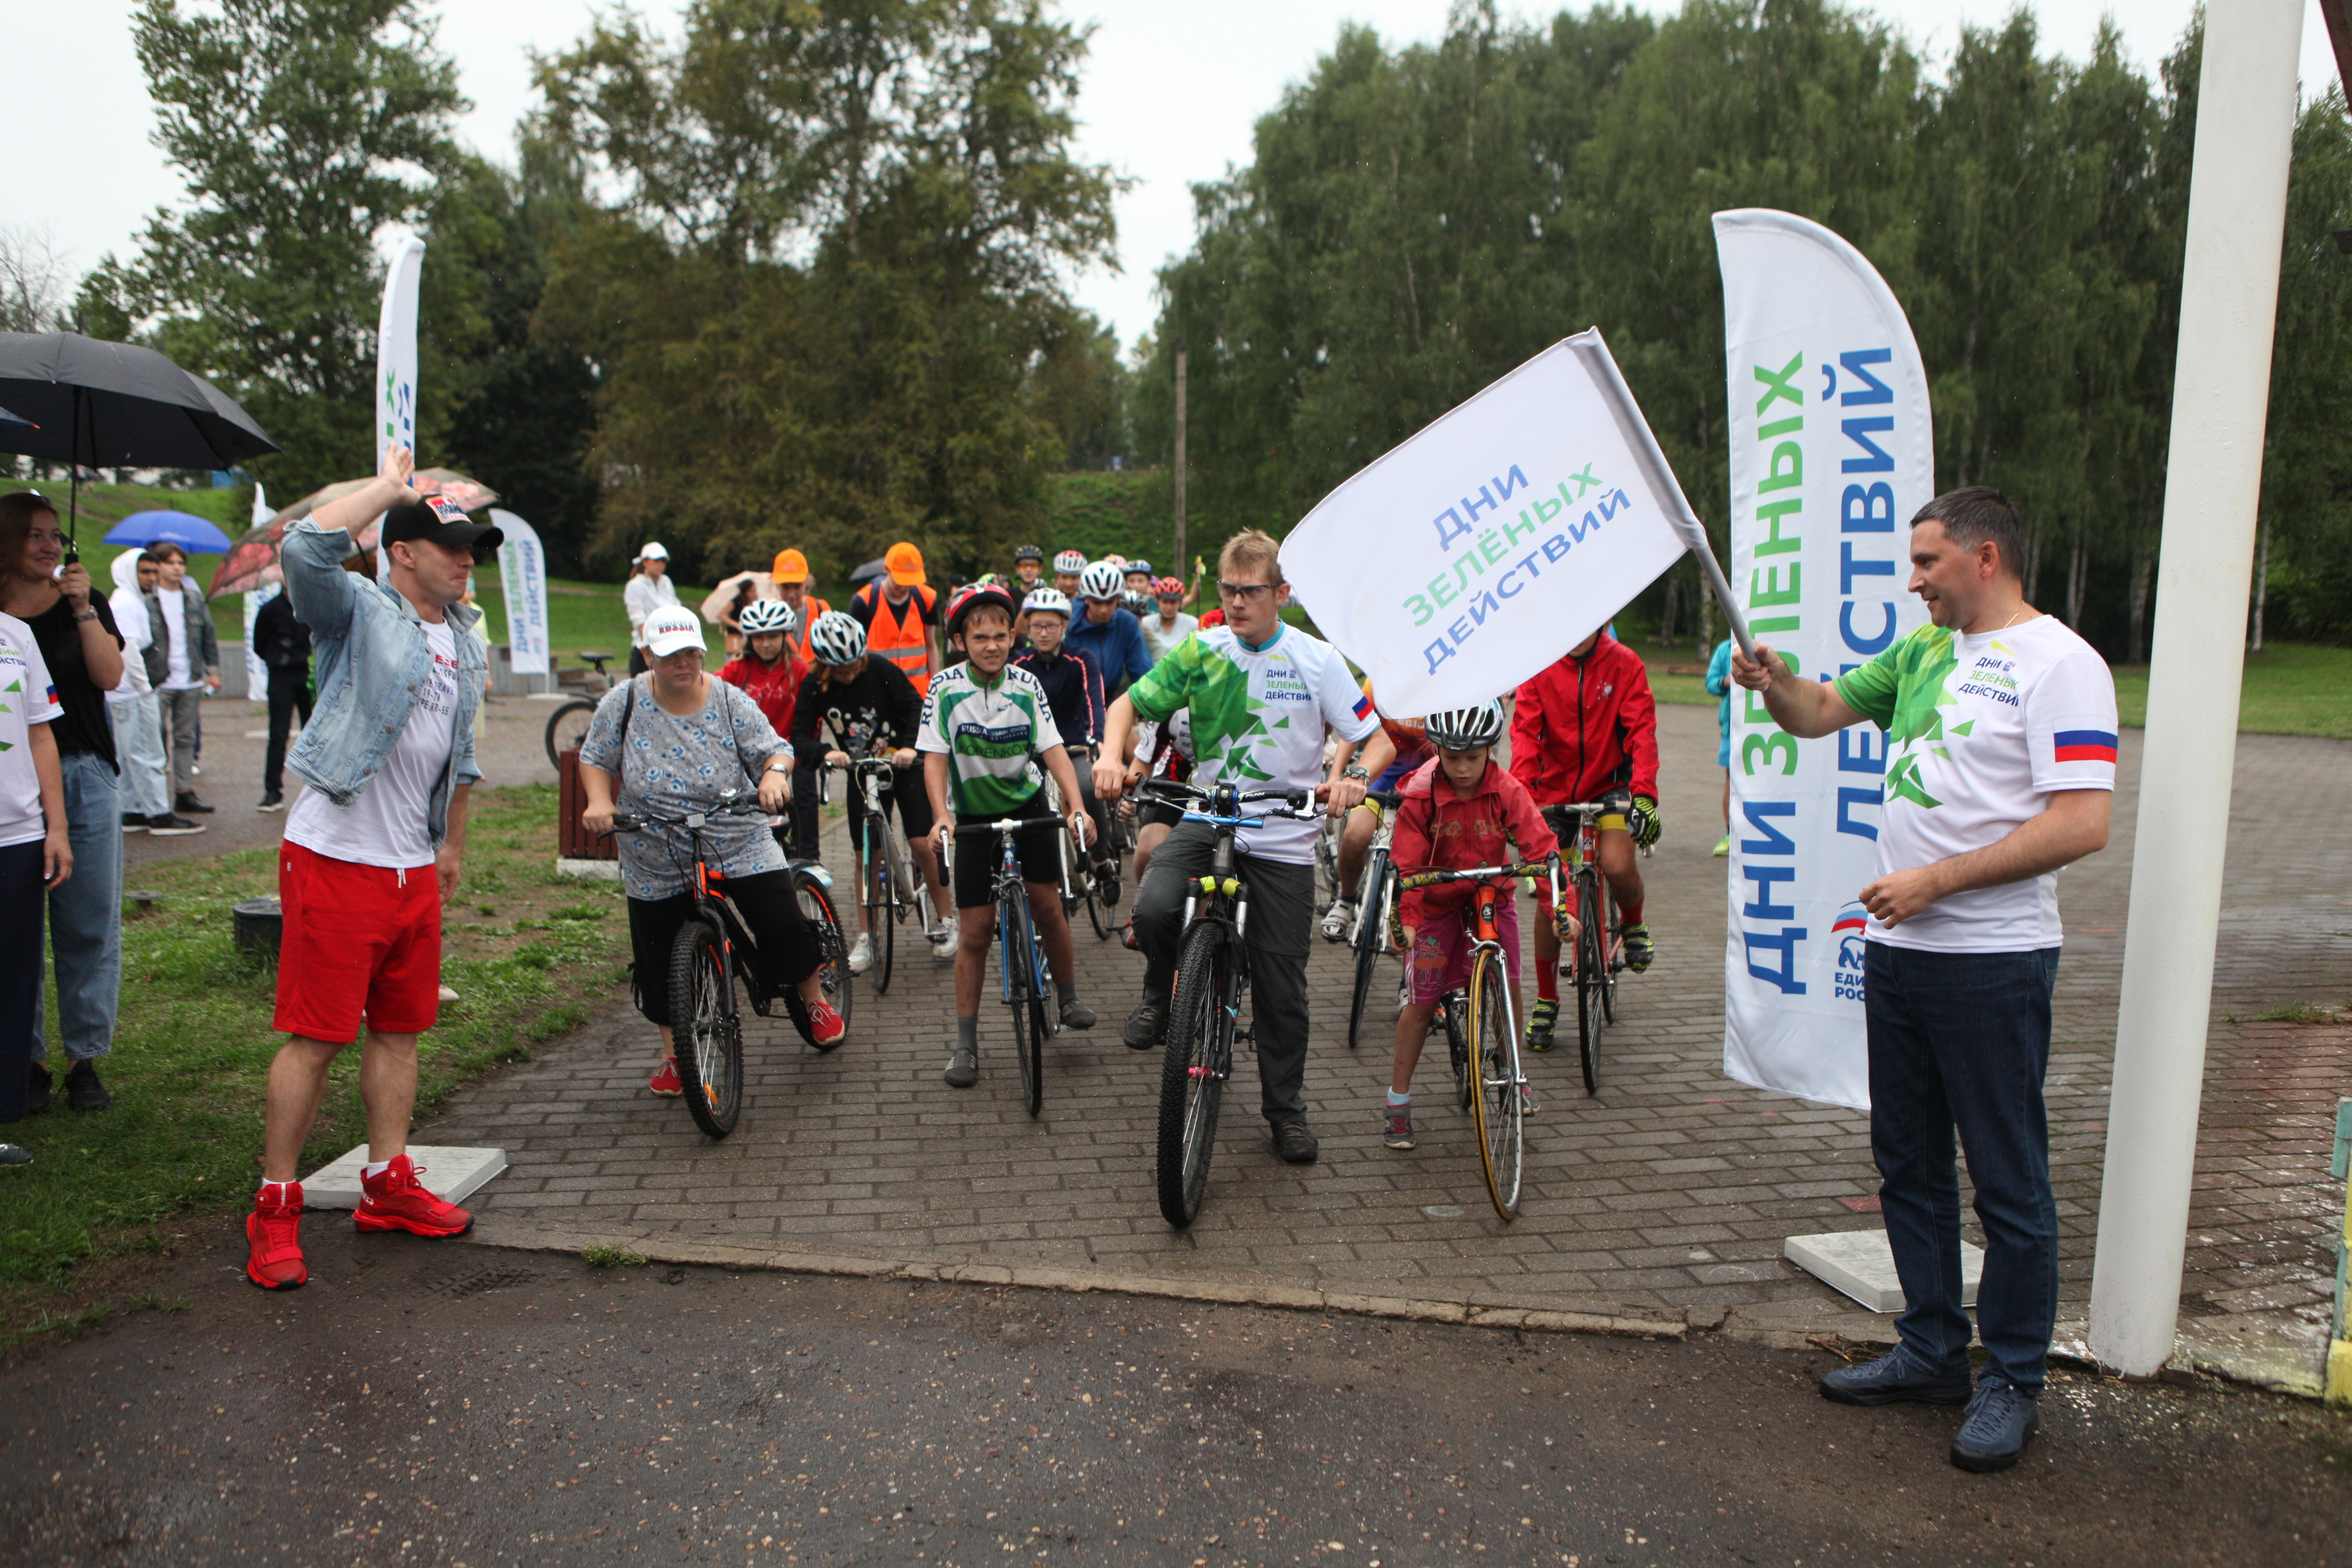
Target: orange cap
column 792, row 566
column 906, row 564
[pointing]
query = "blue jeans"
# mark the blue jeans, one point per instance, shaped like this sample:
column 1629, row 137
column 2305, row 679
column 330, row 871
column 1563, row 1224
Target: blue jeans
column 86, row 915
column 1963, row 1039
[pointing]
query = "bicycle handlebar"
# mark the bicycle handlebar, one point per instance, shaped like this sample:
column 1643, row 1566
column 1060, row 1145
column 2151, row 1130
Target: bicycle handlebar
column 637, row 821
column 1008, row 825
column 1170, row 792
column 1429, row 879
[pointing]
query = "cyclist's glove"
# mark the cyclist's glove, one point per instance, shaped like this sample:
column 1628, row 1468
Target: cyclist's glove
column 1643, row 820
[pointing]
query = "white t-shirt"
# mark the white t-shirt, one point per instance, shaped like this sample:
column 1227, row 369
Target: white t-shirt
column 387, row 826
column 641, row 598
column 175, row 639
column 27, row 697
column 1160, row 638
column 1981, row 731
column 1259, row 716
column 131, row 619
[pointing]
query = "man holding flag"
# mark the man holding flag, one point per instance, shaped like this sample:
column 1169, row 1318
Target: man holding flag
column 2000, row 735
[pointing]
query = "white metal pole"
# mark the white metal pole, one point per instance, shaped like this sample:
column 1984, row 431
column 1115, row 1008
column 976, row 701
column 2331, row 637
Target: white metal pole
column 2228, row 305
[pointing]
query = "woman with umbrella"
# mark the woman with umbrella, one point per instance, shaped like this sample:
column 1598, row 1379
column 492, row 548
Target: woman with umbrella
column 75, row 629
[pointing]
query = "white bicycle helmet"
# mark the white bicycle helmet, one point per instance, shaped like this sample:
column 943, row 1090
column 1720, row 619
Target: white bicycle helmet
column 1050, row 599
column 1071, row 562
column 1103, row 580
column 1138, row 565
column 837, row 638
column 768, row 616
column 1460, row 729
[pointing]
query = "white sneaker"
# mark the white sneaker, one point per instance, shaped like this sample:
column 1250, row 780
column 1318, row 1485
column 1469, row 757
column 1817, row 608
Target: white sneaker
column 861, row 955
column 944, row 945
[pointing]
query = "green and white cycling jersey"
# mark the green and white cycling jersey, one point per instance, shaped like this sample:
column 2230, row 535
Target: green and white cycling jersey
column 1258, row 718
column 991, row 734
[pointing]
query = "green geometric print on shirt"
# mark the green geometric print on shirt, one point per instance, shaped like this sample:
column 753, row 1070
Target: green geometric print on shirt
column 1904, row 690
column 1227, row 719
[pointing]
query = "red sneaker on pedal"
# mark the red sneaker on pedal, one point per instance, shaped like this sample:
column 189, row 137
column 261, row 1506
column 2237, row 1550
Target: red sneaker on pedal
column 827, row 1025
column 393, row 1199
column 273, row 1238
column 665, row 1079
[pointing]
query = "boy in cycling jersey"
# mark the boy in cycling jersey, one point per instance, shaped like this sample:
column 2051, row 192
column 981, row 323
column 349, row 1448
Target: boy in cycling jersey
column 1458, row 810
column 986, row 725
column 1586, row 729
column 1261, row 695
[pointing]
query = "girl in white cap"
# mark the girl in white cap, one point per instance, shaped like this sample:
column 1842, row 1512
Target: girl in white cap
column 649, row 589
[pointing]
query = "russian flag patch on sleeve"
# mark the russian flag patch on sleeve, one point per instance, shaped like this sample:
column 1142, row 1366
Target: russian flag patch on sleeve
column 1363, row 707
column 2084, row 745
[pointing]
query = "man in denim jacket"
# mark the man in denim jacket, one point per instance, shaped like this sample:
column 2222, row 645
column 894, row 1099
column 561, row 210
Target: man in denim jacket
column 389, row 757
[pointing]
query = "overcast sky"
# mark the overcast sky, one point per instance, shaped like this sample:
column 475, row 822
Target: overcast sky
column 1169, row 95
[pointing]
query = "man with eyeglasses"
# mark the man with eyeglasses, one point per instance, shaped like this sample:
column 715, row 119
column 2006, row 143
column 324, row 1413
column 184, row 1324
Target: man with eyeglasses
column 1261, row 696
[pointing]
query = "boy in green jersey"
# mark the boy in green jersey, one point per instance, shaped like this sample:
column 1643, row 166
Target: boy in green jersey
column 985, row 725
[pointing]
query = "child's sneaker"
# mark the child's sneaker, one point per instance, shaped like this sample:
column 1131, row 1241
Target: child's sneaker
column 665, row 1079
column 1640, row 951
column 1540, row 1022
column 825, row 1027
column 1398, row 1120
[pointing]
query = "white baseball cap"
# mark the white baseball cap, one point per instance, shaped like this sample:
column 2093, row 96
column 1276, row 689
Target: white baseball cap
column 674, row 628
column 656, row 551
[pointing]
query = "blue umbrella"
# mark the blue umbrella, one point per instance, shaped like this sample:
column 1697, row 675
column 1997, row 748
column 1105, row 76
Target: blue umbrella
column 189, row 533
column 13, row 421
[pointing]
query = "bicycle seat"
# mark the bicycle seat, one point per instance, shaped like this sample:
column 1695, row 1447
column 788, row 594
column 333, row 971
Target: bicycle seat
column 599, row 659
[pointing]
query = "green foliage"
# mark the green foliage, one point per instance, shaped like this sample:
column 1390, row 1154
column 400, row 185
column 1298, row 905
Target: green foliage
column 601, row 1256
column 1129, row 511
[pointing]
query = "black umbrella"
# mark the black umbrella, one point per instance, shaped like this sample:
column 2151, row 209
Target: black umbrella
column 91, row 404
column 867, row 573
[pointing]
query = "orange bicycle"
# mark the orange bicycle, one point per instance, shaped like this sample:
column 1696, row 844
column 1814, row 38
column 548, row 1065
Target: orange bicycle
column 1599, row 951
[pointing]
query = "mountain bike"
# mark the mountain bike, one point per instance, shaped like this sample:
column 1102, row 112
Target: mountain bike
column 1212, row 978
column 1376, row 896
column 1025, row 979
column 1482, row 1026
column 705, row 1028
column 1599, row 951
column 888, row 886
column 567, row 727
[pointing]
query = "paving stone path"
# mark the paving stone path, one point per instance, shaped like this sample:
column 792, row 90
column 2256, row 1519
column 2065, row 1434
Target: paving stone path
column 1667, row 1195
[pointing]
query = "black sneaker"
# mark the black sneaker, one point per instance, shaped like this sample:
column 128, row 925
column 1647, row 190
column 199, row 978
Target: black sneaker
column 169, row 826
column 1076, row 1015
column 963, row 1068
column 133, row 823
column 1894, row 1377
column 14, row 1154
column 1993, row 1434
column 36, row 1090
column 273, row 801
column 189, row 805
column 1146, row 1026
column 83, row 1092
column 1295, row 1144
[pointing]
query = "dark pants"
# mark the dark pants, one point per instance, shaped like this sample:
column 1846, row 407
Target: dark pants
column 801, row 841
column 1281, row 910
column 290, row 691
column 1963, row 1039
column 22, row 908
column 784, row 949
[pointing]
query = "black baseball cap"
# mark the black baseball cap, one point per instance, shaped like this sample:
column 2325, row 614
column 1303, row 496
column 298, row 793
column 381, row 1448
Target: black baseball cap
column 443, row 521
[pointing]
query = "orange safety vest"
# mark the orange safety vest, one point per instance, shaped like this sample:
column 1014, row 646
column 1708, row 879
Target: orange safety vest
column 903, row 638
column 811, row 608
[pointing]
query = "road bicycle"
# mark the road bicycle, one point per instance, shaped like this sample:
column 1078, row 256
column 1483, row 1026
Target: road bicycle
column 1081, row 883
column 888, row 886
column 1213, row 980
column 567, row 727
column 1375, row 901
column 1599, row 951
column 1482, row 1024
column 706, row 1031
column 1025, row 979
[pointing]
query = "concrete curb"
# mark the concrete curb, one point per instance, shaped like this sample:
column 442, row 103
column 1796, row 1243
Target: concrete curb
column 661, row 1248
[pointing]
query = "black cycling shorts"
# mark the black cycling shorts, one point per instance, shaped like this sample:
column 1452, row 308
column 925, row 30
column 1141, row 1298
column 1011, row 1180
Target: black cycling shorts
column 975, row 857
column 904, row 795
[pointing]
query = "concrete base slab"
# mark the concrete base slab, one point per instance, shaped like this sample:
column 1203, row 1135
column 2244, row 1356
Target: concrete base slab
column 455, row 1174
column 551, row 695
column 592, row 871
column 1861, row 1264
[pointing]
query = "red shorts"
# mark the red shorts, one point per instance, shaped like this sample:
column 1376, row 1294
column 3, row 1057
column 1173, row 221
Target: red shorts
column 358, row 940
column 1442, row 950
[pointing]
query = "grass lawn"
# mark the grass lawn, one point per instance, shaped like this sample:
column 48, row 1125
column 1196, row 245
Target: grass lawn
column 530, row 955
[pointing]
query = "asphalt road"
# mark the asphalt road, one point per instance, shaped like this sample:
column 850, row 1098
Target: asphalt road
column 453, row 1404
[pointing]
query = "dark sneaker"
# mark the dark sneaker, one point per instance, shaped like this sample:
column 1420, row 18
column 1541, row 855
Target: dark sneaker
column 1076, row 1015
column 1397, row 1124
column 1540, row 1022
column 169, row 826
column 133, row 823
column 1894, row 1377
column 1146, row 1027
column 1295, row 1144
column 963, row 1068
column 37, row 1091
column 83, row 1092
column 1639, row 949
column 14, row 1154
column 273, row 801
column 1993, row 1434
column 189, row 805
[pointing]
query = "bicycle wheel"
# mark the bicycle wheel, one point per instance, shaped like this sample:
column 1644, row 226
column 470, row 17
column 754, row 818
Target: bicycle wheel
column 1016, row 950
column 880, row 849
column 1193, row 1074
column 1495, row 1104
column 567, row 727
column 1592, row 979
column 1612, row 949
column 1101, row 900
column 1371, row 935
column 1457, row 1047
column 704, row 1028
column 832, row 973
